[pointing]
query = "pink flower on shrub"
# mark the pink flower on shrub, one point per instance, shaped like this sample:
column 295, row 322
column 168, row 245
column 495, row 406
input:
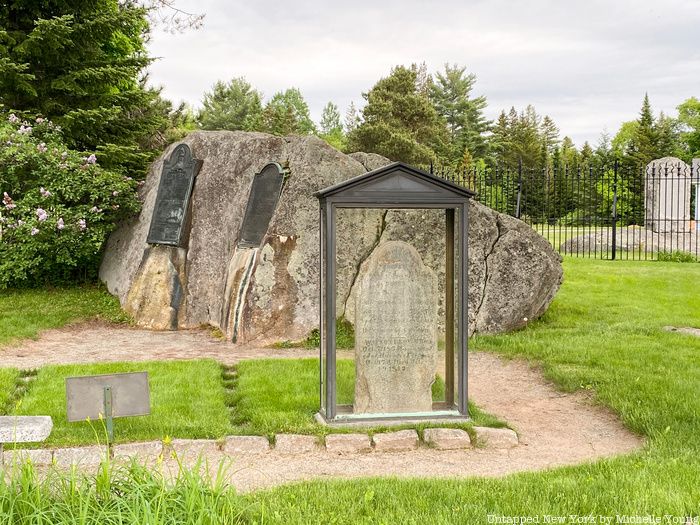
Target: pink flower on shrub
column 82, row 225
column 44, row 193
column 42, row 147
column 41, row 214
column 13, row 118
column 20, row 222
column 64, row 155
column 39, row 120
column 91, row 159
column 24, row 130
column 95, row 209
column 34, row 231
column 60, row 224
column 115, row 193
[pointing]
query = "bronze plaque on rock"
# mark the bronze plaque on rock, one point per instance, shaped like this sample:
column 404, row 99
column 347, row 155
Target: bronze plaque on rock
column 173, row 198
column 262, row 201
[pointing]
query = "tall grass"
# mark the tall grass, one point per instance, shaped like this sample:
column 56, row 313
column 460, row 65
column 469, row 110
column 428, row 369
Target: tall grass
column 130, row 494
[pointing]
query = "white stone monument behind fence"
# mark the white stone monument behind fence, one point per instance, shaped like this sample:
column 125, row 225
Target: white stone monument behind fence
column 667, row 196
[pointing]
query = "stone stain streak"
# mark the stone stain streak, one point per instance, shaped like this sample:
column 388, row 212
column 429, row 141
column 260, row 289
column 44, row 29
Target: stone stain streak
column 282, row 299
column 491, row 251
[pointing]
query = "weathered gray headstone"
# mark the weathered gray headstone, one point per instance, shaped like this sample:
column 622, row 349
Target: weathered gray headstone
column 395, row 332
column 173, row 197
column 667, row 195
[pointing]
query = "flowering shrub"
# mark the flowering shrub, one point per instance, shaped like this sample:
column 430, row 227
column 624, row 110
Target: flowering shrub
column 57, row 207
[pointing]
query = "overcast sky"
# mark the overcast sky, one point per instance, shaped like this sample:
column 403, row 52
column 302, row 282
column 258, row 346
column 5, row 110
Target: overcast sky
column 587, row 64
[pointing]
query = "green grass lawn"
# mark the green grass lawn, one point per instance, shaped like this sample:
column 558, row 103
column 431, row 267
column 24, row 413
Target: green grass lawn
column 187, row 401
column 8, row 380
column 282, row 395
column 24, row 313
column 604, row 332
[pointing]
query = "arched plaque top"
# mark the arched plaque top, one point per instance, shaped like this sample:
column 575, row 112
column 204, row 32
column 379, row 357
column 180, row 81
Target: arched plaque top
column 173, row 198
column 262, row 202
column 181, row 157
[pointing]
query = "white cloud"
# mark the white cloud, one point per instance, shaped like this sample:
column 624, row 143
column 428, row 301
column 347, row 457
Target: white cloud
column 587, row 64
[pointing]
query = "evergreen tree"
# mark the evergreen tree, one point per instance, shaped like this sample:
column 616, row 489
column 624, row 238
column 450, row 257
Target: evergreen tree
column 331, row 127
column 352, row 118
column 464, row 115
column 499, row 141
column 603, row 154
column 570, row 156
column 82, row 64
column 525, row 138
column 666, row 136
column 399, row 122
column 550, row 134
column 643, row 147
column 235, row 105
column 287, row 113
column 424, row 80
column 586, row 153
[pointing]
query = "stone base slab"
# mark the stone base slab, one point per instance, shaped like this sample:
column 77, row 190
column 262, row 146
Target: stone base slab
column 246, row 445
column 295, row 443
column 348, row 443
column 496, row 437
column 286, row 444
column 399, row 441
column 447, row 438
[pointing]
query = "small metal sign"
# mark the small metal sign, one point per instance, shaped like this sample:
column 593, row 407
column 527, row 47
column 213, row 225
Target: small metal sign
column 173, row 198
column 264, row 195
column 109, row 396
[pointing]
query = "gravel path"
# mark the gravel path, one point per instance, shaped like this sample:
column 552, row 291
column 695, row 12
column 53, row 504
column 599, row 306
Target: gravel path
column 554, row 428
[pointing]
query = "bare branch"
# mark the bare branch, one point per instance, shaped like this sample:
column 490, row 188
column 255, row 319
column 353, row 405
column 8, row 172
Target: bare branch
column 165, row 14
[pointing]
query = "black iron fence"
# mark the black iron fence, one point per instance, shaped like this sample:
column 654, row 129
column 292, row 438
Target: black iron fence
column 615, row 212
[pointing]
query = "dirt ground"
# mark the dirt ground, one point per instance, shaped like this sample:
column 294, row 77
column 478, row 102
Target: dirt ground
column 554, row 428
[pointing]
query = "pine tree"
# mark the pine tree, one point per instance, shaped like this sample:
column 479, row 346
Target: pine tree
column 643, row 147
column 82, row 65
column 235, row 105
column 399, row 122
column 352, row 118
column 287, row 113
column 500, row 140
column 586, row 153
column 666, row 136
column 603, row 154
column 569, row 154
column 464, row 115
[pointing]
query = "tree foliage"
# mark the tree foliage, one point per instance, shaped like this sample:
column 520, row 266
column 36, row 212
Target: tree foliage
column 331, row 127
column 81, row 64
column 235, row 105
column 399, row 121
column 287, row 113
column 58, row 205
column 451, row 95
column 689, row 128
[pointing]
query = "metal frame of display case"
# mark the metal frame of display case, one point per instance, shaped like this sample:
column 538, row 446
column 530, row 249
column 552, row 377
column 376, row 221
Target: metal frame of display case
column 398, row 186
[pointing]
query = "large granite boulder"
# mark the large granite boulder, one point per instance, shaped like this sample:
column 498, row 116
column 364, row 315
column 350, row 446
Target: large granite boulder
column 514, row 272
